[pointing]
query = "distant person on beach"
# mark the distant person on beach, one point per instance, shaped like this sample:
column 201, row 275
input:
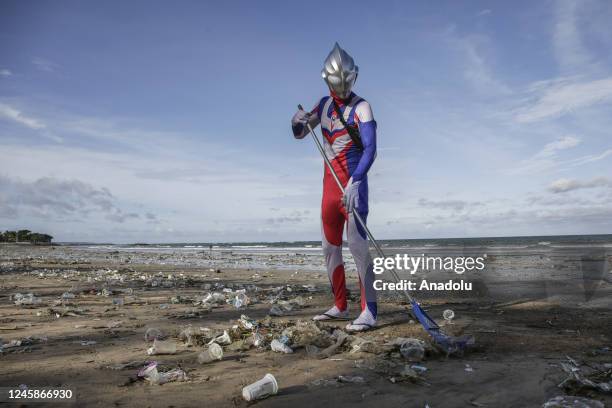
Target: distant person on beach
column 349, row 140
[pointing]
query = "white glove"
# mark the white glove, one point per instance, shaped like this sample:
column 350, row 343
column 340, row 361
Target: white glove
column 350, row 199
column 299, row 123
column 301, row 116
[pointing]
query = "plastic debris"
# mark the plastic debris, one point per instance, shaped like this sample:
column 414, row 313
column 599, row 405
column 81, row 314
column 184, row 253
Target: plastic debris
column 355, row 379
column 153, row 333
column 340, row 337
column 411, row 349
column 570, row 401
column 307, row 332
column 68, row 295
column 151, row 374
column 361, row 345
column 448, row 316
column 162, row 347
column 212, row 353
column 26, row 300
column 276, row 310
column 223, row 339
column 280, row 347
column 241, row 300
column 260, row 389
column 214, row 298
column 580, row 377
column 187, row 336
column 257, row 339
column 418, row 368
column 246, row 323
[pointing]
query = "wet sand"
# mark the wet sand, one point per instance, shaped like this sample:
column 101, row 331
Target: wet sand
column 521, row 339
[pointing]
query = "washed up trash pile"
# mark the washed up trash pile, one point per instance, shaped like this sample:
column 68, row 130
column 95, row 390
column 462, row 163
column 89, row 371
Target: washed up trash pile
column 119, row 286
column 21, row 345
column 399, row 360
column 597, row 377
column 26, row 300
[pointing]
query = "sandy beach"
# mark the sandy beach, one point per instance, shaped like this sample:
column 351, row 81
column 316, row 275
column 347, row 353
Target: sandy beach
column 94, row 343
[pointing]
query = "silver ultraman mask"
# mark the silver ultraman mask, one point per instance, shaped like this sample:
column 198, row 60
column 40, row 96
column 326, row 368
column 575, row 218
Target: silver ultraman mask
column 340, row 72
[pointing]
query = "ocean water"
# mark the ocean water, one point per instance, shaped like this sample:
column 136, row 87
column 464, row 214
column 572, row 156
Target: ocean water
column 393, row 246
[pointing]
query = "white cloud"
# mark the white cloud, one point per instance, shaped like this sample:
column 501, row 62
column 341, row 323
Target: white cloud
column 590, row 158
column 564, row 185
column 44, row 64
column 569, row 47
column 8, row 112
column 5, row 72
column 547, row 157
column 478, row 65
column 559, row 97
column 58, row 199
column 552, row 148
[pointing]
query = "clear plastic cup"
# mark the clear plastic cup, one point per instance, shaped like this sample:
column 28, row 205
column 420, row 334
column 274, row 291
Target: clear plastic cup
column 162, row 347
column 260, row 389
column 214, row 352
column 223, row 339
column 153, row 333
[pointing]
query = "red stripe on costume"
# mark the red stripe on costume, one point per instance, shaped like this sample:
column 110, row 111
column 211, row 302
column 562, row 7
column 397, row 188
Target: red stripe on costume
column 339, row 287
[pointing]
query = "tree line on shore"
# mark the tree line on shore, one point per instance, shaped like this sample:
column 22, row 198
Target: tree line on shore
column 25, row 236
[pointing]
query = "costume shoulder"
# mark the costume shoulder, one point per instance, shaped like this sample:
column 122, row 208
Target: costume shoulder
column 363, row 111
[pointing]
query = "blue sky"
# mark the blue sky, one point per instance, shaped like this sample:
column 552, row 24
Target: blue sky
column 151, row 121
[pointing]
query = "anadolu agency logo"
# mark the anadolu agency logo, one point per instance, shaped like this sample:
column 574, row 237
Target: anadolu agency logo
column 414, row 264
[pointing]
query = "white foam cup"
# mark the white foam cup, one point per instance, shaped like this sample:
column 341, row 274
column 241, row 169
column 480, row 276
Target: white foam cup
column 260, row 389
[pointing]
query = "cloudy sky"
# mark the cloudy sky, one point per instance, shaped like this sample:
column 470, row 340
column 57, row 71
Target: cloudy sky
column 152, row 122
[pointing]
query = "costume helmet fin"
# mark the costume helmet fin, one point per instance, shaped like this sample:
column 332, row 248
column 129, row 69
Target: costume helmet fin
column 340, row 72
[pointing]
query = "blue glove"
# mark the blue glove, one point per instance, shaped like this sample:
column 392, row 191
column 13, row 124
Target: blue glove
column 350, row 199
